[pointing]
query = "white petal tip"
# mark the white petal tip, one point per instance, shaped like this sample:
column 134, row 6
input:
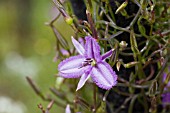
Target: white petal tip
column 77, row 89
column 72, row 38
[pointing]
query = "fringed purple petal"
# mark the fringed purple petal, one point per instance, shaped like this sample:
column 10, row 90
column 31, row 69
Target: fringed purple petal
column 83, row 80
column 71, row 67
column 92, row 49
column 103, row 75
column 78, row 46
column 107, row 54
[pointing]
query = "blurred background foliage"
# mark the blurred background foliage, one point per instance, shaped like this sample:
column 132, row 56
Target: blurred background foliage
column 27, row 48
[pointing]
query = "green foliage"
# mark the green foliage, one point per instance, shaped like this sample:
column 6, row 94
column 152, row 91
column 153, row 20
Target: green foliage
column 145, row 43
column 140, row 41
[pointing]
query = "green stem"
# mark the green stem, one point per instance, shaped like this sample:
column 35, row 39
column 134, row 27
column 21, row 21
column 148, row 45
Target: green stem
column 132, row 104
column 94, row 98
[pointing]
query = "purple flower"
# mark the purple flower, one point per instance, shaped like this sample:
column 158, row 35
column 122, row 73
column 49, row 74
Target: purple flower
column 89, row 64
column 64, row 52
column 68, row 110
column 166, row 96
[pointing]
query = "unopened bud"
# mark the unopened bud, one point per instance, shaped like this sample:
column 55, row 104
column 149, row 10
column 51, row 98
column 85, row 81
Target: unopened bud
column 121, row 7
column 153, row 88
column 58, row 83
column 144, row 3
column 131, row 64
column 69, row 20
column 123, row 44
column 142, row 29
column 118, row 64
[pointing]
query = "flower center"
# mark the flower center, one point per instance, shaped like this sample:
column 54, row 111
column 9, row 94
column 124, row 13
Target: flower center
column 93, row 63
column 88, row 61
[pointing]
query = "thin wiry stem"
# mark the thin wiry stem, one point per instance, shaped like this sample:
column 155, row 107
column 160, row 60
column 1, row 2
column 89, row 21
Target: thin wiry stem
column 82, row 102
column 133, row 85
column 135, row 18
column 60, row 94
column 123, row 104
column 162, row 67
column 40, row 94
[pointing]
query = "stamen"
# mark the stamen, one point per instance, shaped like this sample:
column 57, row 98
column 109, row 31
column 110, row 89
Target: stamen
column 88, row 61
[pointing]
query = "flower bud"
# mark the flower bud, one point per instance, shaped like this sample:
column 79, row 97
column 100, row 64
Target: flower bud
column 142, row 29
column 69, row 20
column 131, row 64
column 153, row 89
column 58, row 83
column 118, row 64
column 144, row 3
column 123, row 44
column 121, row 7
